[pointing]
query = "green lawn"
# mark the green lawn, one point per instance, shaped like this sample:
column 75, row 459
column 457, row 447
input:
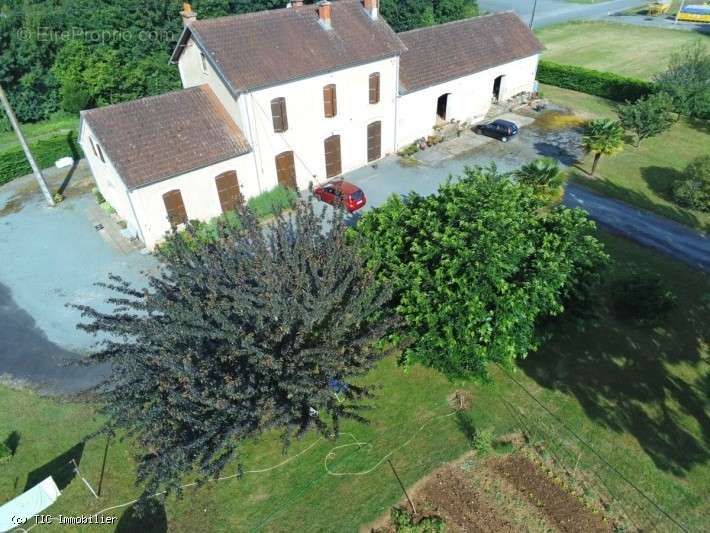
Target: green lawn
column 636, row 393
column 625, row 49
column 40, row 130
column 642, row 176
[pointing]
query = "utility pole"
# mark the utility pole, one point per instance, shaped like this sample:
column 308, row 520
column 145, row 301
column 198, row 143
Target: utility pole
column 682, row 4
column 16, row 126
column 532, row 17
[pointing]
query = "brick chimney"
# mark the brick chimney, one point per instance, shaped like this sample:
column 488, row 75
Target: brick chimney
column 187, row 14
column 371, row 6
column 324, row 12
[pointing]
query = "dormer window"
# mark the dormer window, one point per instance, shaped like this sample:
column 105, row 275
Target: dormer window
column 203, row 62
column 330, row 101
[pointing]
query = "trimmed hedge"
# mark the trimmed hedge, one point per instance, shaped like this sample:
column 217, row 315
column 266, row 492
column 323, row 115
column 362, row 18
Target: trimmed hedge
column 14, row 164
column 604, row 84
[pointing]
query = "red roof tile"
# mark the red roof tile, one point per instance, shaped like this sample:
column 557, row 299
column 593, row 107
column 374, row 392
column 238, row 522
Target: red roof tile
column 269, row 47
column 159, row 137
column 448, row 51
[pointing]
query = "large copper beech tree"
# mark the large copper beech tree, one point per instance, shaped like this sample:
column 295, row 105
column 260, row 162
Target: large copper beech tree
column 246, row 331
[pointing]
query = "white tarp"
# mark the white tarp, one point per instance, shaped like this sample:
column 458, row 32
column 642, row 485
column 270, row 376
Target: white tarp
column 28, row 504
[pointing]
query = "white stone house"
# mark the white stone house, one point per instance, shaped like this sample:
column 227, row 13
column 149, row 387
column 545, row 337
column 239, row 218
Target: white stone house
column 293, row 96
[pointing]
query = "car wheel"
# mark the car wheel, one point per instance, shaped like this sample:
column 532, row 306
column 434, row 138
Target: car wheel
column 504, row 139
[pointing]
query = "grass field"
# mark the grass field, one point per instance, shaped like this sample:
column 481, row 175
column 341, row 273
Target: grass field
column 636, row 393
column 642, row 176
column 40, row 130
column 625, row 49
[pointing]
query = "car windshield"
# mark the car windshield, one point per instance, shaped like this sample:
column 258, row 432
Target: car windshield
column 357, row 196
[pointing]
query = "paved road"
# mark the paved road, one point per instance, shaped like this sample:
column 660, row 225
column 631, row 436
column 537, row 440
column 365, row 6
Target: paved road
column 644, row 227
column 555, row 11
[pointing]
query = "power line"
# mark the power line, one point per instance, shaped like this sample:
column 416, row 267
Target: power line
column 594, row 451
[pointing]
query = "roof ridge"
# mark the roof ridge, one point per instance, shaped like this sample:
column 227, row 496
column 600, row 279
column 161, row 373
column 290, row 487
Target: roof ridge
column 255, row 14
column 460, row 21
column 117, row 105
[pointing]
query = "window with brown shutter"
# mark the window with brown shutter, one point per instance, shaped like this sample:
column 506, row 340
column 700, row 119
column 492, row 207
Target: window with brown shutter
column 286, row 170
column 278, row 114
column 374, row 141
column 93, row 146
column 330, row 101
column 101, row 153
column 375, row 88
column 174, row 207
column 230, row 197
column 333, row 164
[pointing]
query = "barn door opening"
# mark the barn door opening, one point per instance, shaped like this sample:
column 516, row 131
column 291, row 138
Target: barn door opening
column 333, row 163
column 441, row 107
column 496, row 88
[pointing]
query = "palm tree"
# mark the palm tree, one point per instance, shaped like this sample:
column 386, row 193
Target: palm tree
column 543, row 174
column 603, row 137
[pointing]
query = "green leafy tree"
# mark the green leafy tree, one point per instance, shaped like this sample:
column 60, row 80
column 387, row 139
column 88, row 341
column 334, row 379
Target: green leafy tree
column 244, row 333
column 648, row 116
column 474, row 267
column 544, row 175
column 603, row 137
column 687, row 80
column 693, row 190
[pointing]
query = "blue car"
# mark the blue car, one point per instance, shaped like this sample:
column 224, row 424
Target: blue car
column 503, row 130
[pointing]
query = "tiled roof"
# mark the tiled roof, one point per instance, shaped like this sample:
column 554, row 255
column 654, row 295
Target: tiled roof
column 441, row 53
column 160, row 137
column 269, row 47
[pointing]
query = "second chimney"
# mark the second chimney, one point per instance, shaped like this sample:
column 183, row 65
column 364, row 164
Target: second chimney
column 324, row 13
column 371, row 8
column 187, row 14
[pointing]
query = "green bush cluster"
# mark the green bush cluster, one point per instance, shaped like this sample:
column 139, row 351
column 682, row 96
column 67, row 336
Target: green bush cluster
column 693, row 190
column 273, row 202
column 403, row 522
column 604, row 84
column 14, row 164
column 642, row 297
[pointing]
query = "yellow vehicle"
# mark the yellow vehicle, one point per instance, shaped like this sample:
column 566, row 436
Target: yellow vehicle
column 695, row 13
column 658, row 8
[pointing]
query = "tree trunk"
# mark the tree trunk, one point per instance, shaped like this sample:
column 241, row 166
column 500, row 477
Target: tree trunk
column 595, row 163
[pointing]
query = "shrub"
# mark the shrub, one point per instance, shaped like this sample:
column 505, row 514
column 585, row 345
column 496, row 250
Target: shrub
column 409, row 150
column 273, row 202
column 694, row 189
column 403, row 522
column 642, row 297
column 604, row 84
column 14, row 164
column 483, row 441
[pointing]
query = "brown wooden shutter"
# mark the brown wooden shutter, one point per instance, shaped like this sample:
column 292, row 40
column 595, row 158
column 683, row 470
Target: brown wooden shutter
column 330, row 101
column 374, row 141
column 286, row 170
column 93, row 146
column 175, row 207
column 333, row 163
column 375, row 88
column 230, row 197
column 279, row 115
column 101, row 153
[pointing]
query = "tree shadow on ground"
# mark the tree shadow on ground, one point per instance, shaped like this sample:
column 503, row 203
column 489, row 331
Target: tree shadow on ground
column 635, row 198
column 12, row 442
column 60, row 468
column 621, row 375
column 702, row 126
column 661, row 179
column 153, row 519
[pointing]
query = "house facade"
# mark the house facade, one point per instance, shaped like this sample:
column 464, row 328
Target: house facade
column 291, row 97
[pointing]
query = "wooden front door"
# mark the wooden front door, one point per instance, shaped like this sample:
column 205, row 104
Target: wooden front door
column 175, row 207
column 333, row 163
column 286, row 170
column 374, row 141
column 230, row 197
